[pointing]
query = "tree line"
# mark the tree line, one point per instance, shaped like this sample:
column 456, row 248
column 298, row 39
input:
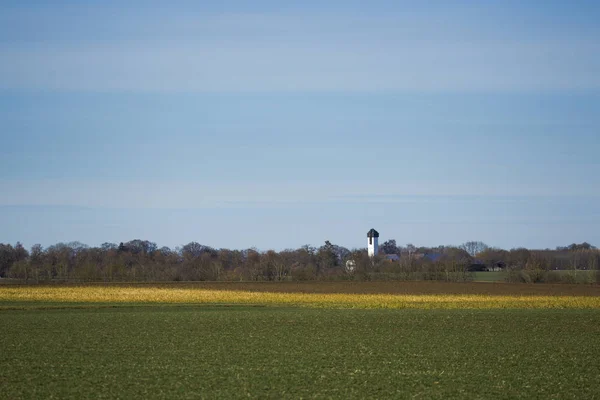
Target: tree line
column 143, row 261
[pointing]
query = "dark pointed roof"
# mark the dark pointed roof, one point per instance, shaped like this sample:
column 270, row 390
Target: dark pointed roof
column 372, row 233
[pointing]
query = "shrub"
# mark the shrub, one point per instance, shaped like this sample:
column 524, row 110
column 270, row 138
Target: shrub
column 304, row 273
column 512, row 275
column 569, row 277
column 536, row 275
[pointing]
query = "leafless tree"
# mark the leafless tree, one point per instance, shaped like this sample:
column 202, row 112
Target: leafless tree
column 474, row 247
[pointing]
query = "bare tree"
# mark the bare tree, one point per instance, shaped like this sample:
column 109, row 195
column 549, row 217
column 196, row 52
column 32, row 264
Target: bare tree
column 474, row 247
column 410, row 249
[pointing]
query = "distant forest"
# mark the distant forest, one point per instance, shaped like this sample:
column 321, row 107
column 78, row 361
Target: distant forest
column 144, row 261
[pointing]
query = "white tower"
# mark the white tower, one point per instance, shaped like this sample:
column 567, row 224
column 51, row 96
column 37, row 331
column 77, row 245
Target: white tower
column 373, row 245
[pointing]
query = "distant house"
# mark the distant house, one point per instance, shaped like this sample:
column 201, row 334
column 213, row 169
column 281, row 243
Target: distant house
column 411, row 256
column 392, row 257
column 479, row 265
column 497, row 266
column 433, row 257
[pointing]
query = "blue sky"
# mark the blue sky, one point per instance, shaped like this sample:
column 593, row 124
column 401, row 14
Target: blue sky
column 275, row 124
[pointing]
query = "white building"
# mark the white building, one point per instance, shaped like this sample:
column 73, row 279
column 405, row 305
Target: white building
column 373, row 244
column 350, row 266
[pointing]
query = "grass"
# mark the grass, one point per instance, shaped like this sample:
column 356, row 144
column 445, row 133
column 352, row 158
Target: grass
column 317, row 340
column 241, row 352
column 489, row 276
column 575, row 276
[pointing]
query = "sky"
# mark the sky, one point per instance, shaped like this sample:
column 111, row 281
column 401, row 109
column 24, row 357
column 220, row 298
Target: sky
column 276, row 124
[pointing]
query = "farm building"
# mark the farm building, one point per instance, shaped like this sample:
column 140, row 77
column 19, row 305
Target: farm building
column 479, row 265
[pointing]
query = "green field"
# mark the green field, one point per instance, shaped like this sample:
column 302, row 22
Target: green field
column 270, row 352
column 318, row 340
column 484, row 276
column 574, row 276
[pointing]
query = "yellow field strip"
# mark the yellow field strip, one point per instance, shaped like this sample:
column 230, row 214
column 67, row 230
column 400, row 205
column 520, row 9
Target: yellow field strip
column 91, row 294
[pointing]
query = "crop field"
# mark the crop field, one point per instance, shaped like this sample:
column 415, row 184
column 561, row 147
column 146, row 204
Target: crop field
column 378, row 295
column 317, row 340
